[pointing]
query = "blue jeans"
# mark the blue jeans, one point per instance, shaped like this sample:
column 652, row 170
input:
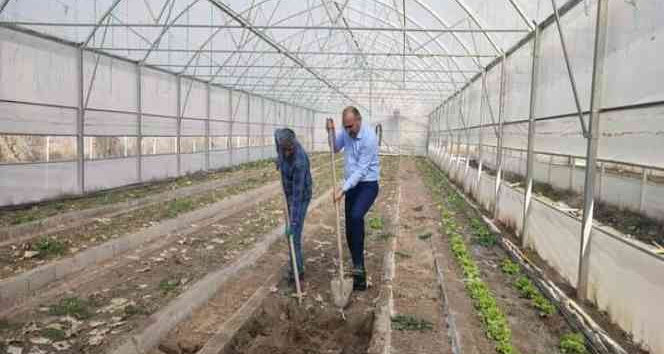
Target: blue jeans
column 297, row 239
column 358, row 202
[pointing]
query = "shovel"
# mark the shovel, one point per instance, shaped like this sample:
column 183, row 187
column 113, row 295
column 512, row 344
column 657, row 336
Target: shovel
column 291, row 248
column 341, row 287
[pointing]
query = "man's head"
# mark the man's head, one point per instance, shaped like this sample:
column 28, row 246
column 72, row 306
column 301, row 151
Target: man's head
column 286, row 141
column 352, row 121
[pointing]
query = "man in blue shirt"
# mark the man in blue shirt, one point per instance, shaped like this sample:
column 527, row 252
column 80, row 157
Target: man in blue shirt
column 293, row 163
column 360, row 187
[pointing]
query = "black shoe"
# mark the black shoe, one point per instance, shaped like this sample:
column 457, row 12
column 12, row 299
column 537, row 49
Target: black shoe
column 359, row 280
column 291, row 278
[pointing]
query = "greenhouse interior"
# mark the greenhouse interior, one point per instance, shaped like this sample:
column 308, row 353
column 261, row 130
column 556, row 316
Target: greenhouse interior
column 331, row 176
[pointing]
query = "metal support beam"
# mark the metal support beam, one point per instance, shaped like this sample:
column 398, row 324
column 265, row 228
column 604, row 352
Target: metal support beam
column 262, row 28
column 179, row 125
column 480, row 148
column 570, row 73
column 139, row 121
column 297, row 53
column 599, row 57
column 231, row 116
column 208, row 113
column 644, row 185
column 80, row 125
column 101, row 20
column 499, row 149
column 3, row 5
column 530, row 156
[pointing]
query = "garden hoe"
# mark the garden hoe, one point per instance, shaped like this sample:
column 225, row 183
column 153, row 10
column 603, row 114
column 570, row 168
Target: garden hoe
column 291, row 248
column 341, row 287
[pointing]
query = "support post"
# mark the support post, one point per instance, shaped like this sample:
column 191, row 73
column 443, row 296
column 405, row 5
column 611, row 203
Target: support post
column 644, row 185
column 572, row 172
column 179, row 126
column 229, row 141
column 548, row 171
column 530, row 156
column 592, row 144
column 602, row 171
column 481, row 145
column 248, row 146
column 80, row 126
column 262, row 139
column 139, row 121
column 499, row 149
column 208, row 115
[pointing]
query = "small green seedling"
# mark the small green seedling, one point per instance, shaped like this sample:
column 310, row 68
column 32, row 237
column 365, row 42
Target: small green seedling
column 49, row 246
column 510, row 267
column 71, row 306
column 425, row 236
column 376, row 223
column 573, row 343
column 410, row 323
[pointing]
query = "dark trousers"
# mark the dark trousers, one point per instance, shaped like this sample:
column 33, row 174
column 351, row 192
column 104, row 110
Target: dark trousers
column 358, row 202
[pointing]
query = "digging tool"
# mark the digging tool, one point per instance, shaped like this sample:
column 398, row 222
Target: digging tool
column 291, row 248
column 341, row 287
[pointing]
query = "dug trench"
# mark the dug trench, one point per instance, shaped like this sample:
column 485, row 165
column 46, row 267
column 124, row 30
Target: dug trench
column 276, row 323
column 99, row 310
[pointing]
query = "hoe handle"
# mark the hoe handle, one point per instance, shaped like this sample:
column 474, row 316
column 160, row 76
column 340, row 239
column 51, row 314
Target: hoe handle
column 291, row 248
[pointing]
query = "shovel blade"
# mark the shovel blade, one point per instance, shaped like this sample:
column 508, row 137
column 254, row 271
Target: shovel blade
column 341, row 289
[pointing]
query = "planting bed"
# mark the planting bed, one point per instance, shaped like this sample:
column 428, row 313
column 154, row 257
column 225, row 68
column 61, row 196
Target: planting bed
column 93, row 311
column 37, row 211
column 514, row 316
column 22, row 256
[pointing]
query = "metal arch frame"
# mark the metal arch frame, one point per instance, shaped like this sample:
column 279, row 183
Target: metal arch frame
column 226, row 9
column 477, row 22
column 157, row 41
column 297, row 33
column 301, row 32
column 101, row 20
column 522, row 14
column 395, row 10
column 3, row 5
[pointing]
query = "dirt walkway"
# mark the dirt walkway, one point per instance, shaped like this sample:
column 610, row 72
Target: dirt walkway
column 416, row 289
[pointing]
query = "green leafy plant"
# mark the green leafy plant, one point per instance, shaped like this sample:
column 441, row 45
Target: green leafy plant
column 525, row 287
column 425, row 236
column 49, row 246
column 376, row 223
column 482, row 234
column 54, row 334
column 494, row 320
column 168, row 285
column 573, row 343
column 410, row 323
column 71, row 306
column 509, row 267
column 179, row 206
column 545, row 307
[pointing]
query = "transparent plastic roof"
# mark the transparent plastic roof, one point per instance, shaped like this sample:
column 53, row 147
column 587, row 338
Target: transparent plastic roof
column 406, row 54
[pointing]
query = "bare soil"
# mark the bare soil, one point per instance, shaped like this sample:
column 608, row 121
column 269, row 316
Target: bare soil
column 416, row 288
column 281, row 326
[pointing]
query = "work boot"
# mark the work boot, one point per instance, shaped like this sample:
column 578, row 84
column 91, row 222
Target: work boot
column 359, row 279
column 291, row 278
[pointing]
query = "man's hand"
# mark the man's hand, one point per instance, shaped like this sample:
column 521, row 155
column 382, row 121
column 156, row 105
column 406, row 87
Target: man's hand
column 329, row 124
column 337, row 194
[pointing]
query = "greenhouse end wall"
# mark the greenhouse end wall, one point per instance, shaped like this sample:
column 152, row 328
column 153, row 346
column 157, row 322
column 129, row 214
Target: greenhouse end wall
column 138, row 124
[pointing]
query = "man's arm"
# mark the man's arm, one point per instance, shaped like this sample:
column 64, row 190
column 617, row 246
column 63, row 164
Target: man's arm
column 338, row 141
column 367, row 153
